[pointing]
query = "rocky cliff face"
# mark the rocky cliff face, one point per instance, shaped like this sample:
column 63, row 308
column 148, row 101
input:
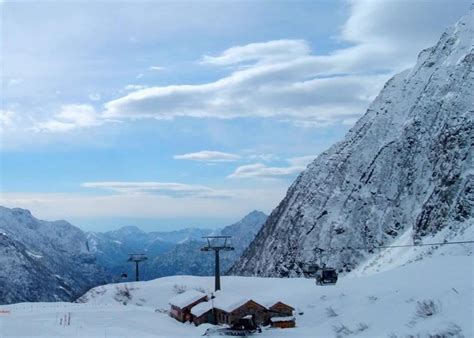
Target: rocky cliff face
column 407, row 164
column 43, row 261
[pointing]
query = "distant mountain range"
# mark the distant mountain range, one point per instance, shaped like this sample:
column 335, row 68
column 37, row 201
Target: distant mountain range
column 170, row 253
column 186, row 258
column 56, row 261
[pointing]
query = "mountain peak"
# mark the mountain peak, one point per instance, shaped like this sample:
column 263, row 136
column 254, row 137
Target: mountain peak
column 126, row 230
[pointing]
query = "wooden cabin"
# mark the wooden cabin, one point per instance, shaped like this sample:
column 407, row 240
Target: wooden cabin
column 182, row 304
column 250, row 308
column 203, row 313
column 282, row 309
column 283, row 322
column 228, row 308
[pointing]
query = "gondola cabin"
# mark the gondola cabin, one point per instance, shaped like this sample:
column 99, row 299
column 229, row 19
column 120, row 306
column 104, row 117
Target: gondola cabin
column 326, row 276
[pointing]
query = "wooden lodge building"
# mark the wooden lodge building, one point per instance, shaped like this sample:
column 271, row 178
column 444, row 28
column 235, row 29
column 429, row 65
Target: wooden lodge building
column 181, row 304
column 227, row 308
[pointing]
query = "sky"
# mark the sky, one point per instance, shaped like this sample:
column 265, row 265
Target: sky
column 171, row 114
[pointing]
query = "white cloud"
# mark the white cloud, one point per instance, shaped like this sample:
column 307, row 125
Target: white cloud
column 70, row 117
column 208, row 156
column 259, row 170
column 284, row 79
column 302, row 161
column 7, row 120
column 134, row 87
column 272, row 51
column 159, row 188
column 263, row 91
column 156, row 68
column 94, row 96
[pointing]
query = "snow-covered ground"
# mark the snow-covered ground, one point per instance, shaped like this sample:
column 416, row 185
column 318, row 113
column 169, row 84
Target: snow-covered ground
column 384, row 304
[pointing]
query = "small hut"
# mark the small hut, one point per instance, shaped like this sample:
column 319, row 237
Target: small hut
column 231, row 308
column 203, row 313
column 181, row 304
column 228, row 308
column 281, row 309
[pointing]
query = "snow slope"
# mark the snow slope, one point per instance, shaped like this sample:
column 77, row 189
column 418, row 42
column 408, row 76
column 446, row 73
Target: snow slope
column 407, row 165
column 384, row 304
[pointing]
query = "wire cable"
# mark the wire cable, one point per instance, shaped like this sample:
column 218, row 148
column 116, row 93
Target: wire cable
column 396, row 246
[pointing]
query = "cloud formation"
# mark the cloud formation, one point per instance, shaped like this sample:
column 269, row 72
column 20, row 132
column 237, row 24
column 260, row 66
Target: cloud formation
column 260, row 170
column 266, row 52
column 299, row 87
column 159, row 188
column 284, row 79
column 208, row 156
column 7, row 120
column 71, row 116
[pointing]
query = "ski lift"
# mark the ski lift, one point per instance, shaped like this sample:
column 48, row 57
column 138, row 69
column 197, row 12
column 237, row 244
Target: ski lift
column 326, row 276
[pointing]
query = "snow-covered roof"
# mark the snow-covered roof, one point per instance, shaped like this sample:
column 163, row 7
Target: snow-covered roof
column 282, row 319
column 271, row 304
column 228, row 301
column 186, row 298
column 223, row 300
column 201, row 308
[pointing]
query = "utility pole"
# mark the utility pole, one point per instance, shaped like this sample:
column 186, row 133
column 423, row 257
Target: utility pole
column 212, row 245
column 137, row 258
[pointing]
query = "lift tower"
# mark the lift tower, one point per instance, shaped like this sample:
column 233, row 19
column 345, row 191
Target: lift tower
column 216, row 244
column 137, row 258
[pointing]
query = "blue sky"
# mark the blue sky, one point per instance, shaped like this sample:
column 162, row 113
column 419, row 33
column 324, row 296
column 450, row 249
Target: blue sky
column 190, row 113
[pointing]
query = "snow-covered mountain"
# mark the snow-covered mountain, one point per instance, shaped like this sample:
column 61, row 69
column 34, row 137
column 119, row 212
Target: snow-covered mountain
column 170, row 253
column 112, row 248
column 186, row 258
column 406, row 167
column 43, row 261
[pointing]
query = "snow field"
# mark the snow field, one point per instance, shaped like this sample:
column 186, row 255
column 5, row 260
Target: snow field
column 428, row 297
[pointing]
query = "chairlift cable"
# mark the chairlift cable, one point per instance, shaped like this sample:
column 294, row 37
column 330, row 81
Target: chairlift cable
column 399, row 246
